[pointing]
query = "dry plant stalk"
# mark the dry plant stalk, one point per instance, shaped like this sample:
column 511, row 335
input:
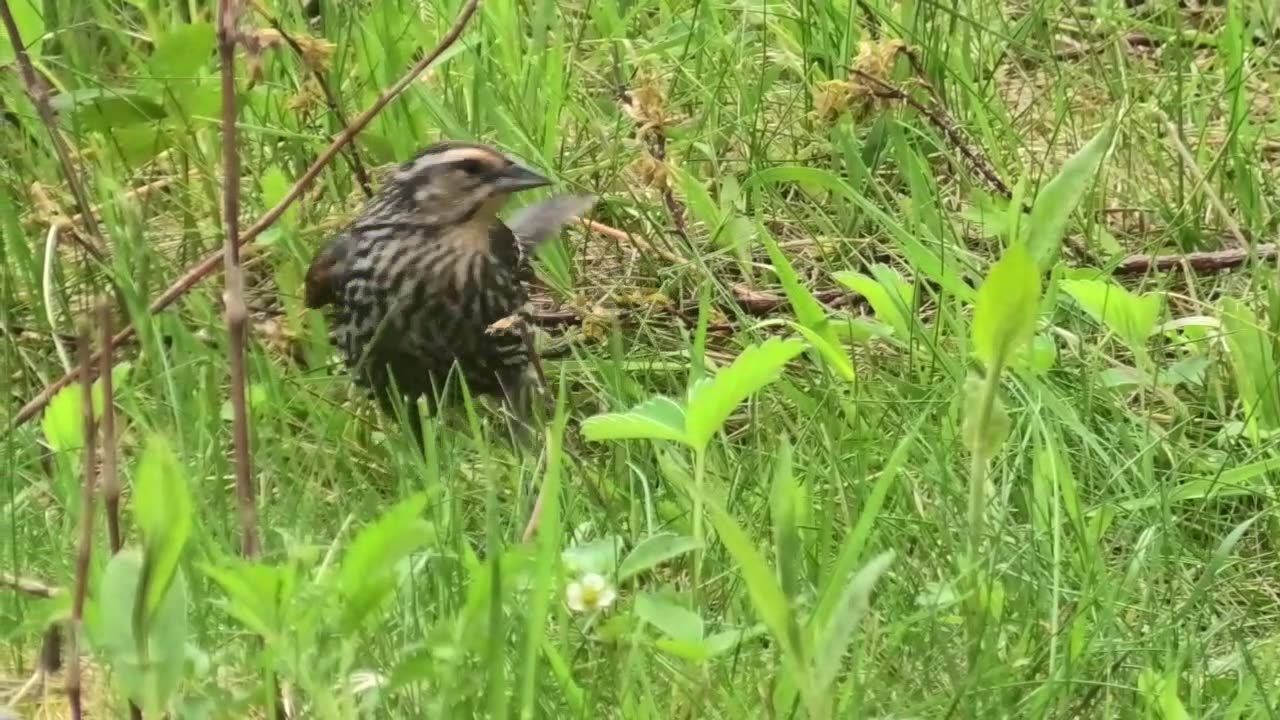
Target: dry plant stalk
column 208, row 265
column 110, row 472
column 28, row 586
column 86, row 524
column 233, row 295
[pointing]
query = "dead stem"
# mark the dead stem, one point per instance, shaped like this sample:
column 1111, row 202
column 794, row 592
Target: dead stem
column 110, row 474
column 85, row 545
column 233, row 295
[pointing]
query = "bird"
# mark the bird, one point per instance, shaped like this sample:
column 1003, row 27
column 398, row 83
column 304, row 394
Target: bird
column 428, row 281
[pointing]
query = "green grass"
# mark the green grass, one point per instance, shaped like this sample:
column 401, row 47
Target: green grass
column 864, row 535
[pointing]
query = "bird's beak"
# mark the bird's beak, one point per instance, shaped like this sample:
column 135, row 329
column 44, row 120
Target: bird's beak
column 518, row 177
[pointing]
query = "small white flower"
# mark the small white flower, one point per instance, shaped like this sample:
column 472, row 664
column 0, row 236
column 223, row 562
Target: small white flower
column 592, row 592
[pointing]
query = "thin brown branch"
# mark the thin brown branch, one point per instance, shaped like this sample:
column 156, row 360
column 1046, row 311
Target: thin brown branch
column 210, row 264
column 946, row 127
column 110, row 474
column 85, row 545
column 233, row 295
column 353, row 152
column 644, row 245
column 39, row 93
column 69, row 224
column 28, row 586
column 1201, row 262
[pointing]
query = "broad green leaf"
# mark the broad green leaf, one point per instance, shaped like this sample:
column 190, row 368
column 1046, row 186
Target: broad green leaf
column 727, row 640
column 767, row 598
column 181, row 52
column 653, row 551
column 985, row 428
column 162, row 510
column 151, row 681
column 786, row 506
column 810, row 313
column 1008, row 303
column 701, row 204
column 29, row 18
column 885, row 308
column 598, row 556
column 255, row 592
column 1251, row 351
column 712, row 401
column 834, row 639
column 370, row 568
column 275, row 185
column 806, row 307
column 659, row 418
column 107, row 109
column 1132, row 317
column 827, row 343
column 63, row 421
column 1061, row 196
column 671, row 619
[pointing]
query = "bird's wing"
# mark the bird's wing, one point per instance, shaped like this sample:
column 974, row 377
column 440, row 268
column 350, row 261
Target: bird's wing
column 535, row 224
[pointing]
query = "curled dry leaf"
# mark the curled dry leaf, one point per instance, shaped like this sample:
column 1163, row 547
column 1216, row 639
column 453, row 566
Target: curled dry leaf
column 855, row 94
column 503, row 323
column 309, row 96
column 649, row 171
column 45, row 209
column 315, row 52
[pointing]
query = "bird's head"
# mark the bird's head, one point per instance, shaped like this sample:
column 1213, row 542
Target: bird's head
column 455, row 182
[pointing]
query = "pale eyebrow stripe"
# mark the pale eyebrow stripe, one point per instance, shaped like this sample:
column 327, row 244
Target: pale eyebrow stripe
column 456, row 155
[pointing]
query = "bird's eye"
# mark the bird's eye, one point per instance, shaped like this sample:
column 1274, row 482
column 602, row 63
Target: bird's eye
column 472, row 166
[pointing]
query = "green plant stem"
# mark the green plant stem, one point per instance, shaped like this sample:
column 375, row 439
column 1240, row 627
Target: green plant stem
column 699, row 484
column 978, row 465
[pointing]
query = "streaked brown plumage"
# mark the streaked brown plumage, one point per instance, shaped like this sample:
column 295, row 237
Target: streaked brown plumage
column 419, row 279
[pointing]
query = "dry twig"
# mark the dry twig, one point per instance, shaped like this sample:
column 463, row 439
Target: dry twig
column 233, row 295
column 1203, row 262
column 110, row 475
column 86, row 524
column 207, row 266
column 28, row 586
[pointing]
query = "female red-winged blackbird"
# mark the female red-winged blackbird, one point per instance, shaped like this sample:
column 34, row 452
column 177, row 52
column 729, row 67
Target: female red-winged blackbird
column 428, row 281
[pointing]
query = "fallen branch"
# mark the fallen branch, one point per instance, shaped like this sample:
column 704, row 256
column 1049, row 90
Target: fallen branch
column 1203, row 262
column 210, row 264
